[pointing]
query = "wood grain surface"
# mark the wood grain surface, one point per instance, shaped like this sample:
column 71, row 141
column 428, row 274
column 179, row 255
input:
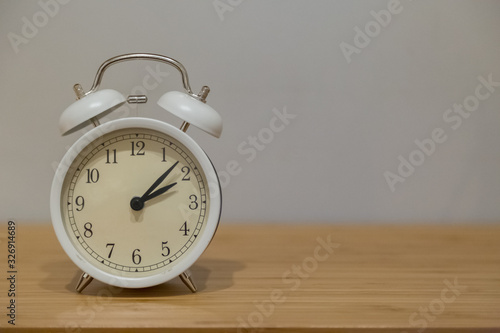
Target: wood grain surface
column 276, row 278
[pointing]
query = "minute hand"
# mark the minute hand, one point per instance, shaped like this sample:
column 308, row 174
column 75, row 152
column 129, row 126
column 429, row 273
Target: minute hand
column 158, row 182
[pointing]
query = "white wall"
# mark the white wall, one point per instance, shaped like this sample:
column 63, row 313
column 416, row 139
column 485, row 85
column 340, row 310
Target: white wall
column 354, row 115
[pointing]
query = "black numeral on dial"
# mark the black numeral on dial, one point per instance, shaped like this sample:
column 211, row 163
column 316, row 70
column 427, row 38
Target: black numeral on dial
column 164, row 248
column 80, row 203
column 136, row 258
column 186, row 171
column 184, row 229
column 111, row 157
column 194, row 202
column 88, row 230
column 164, row 155
column 112, row 248
column 92, row 176
column 137, row 148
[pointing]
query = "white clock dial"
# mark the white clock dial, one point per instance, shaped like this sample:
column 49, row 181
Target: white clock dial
column 136, row 203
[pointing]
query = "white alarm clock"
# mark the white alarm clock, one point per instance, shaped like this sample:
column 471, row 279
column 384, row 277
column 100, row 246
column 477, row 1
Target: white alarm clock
column 136, row 201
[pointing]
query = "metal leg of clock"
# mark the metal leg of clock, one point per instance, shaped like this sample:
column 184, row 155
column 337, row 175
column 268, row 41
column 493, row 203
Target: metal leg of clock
column 84, row 281
column 186, row 278
column 80, row 93
column 202, row 95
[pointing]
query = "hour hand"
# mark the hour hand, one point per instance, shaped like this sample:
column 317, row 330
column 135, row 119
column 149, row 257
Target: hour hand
column 158, row 192
column 138, row 203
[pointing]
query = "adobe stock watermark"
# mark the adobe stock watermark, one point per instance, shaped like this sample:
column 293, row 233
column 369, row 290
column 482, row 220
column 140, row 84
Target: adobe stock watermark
column 291, row 280
column 453, row 118
column 372, row 29
column 221, row 7
column 254, row 144
column 31, row 26
column 429, row 313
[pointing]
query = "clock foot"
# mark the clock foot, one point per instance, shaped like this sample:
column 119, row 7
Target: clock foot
column 186, row 278
column 84, row 281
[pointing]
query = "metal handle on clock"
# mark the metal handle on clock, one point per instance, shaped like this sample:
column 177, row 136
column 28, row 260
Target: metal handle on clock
column 141, row 56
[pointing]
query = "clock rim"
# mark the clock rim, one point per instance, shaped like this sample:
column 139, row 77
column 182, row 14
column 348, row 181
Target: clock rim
column 211, row 224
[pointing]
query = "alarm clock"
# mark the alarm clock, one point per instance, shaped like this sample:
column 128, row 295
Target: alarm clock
column 136, row 201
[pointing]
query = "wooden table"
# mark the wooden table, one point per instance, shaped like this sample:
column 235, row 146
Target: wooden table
column 277, row 278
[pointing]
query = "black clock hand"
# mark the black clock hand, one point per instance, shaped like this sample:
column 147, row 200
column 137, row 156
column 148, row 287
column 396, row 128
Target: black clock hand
column 138, row 203
column 159, row 180
column 158, row 192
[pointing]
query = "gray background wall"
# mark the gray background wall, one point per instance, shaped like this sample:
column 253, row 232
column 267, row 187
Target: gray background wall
column 366, row 85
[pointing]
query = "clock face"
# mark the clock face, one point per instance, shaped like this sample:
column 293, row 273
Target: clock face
column 135, row 202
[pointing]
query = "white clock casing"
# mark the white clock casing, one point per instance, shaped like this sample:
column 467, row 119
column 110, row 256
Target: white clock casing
column 57, row 204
